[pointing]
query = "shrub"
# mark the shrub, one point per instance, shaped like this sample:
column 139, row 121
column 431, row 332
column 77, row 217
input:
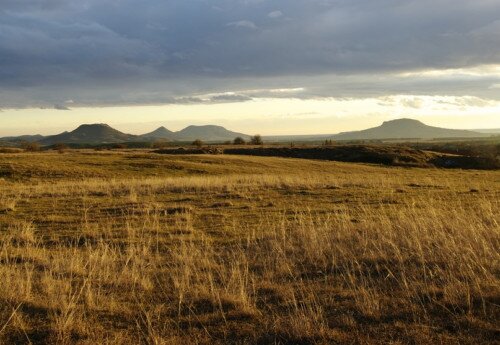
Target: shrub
column 198, row 143
column 239, row 141
column 159, row 144
column 60, row 147
column 256, row 140
column 30, row 147
column 10, row 150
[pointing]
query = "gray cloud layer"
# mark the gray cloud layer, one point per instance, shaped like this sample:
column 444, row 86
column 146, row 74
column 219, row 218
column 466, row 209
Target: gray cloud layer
column 130, row 51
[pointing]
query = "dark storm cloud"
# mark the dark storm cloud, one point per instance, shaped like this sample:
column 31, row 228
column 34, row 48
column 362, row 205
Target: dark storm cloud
column 230, row 98
column 61, row 107
column 130, row 51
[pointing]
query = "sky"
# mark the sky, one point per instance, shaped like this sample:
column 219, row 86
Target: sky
column 255, row 66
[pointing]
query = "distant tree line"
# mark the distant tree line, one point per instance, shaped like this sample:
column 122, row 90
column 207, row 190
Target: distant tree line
column 30, row 146
column 254, row 140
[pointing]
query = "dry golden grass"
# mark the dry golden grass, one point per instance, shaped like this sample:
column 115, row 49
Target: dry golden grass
column 137, row 248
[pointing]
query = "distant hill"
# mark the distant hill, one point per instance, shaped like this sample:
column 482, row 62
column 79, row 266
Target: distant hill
column 21, row 138
column 98, row 133
column 207, row 133
column 190, row 133
column 296, row 138
column 101, row 133
column 104, row 134
column 488, row 130
column 159, row 133
column 406, row 129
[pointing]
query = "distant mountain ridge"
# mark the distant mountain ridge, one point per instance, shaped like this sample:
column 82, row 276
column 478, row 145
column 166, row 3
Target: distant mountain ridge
column 488, row 130
column 159, row 133
column 406, row 129
column 101, row 133
column 98, row 133
column 206, row 133
column 22, row 138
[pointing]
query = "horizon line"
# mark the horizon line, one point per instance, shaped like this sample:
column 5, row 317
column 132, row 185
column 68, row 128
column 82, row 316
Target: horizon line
column 238, row 131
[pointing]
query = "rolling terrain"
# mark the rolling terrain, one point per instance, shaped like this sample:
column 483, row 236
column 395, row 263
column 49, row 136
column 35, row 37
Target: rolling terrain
column 101, row 133
column 399, row 129
column 159, row 133
column 129, row 246
column 98, row 134
column 22, row 138
column 458, row 156
column 406, row 129
column 89, row 134
column 208, row 133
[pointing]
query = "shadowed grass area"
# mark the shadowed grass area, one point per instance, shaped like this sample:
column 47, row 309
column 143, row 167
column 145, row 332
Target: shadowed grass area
column 132, row 247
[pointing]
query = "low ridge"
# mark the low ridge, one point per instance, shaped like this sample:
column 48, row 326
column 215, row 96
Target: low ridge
column 159, row 133
column 208, row 133
column 406, row 129
column 100, row 133
column 88, row 134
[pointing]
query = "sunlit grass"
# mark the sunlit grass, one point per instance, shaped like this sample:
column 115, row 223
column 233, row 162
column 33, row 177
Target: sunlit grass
column 324, row 253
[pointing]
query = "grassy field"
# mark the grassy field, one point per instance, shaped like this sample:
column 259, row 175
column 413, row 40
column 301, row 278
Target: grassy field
column 138, row 248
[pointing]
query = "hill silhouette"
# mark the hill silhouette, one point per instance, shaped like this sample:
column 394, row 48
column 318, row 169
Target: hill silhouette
column 159, row 133
column 104, row 134
column 208, row 133
column 406, row 129
column 99, row 133
column 21, row 138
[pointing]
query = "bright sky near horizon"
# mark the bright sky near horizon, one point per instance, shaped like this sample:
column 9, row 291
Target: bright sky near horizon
column 254, row 66
column 263, row 116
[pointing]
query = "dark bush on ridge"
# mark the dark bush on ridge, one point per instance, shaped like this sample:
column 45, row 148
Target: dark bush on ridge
column 256, row 140
column 239, row 141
